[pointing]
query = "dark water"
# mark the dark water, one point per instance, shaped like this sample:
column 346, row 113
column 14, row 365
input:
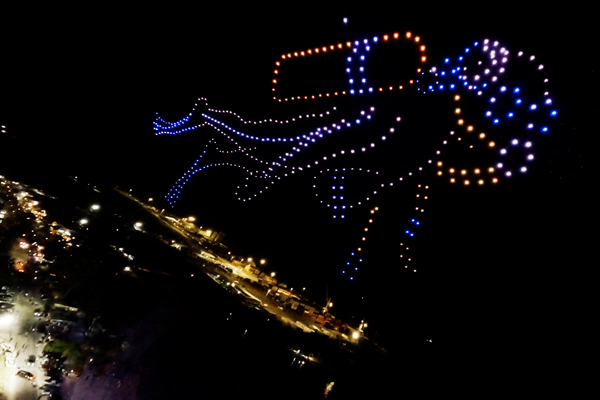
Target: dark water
column 205, row 356
column 214, row 350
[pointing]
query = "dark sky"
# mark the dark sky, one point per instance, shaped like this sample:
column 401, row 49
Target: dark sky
column 85, row 87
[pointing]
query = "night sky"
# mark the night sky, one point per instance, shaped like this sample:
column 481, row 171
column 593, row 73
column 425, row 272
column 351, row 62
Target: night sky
column 502, row 268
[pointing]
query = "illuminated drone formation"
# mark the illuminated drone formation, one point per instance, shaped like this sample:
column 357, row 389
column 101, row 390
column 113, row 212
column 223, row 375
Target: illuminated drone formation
column 502, row 136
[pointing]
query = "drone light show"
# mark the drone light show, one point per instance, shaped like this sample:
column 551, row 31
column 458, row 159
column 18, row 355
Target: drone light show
column 494, row 100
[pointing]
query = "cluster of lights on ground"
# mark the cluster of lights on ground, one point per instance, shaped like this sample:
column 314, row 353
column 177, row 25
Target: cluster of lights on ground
column 479, row 71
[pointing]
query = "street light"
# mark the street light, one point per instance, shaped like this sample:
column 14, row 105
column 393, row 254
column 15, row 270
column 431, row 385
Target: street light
column 83, row 221
column 95, row 207
column 272, row 274
column 362, row 325
column 191, row 219
column 263, row 261
column 7, row 319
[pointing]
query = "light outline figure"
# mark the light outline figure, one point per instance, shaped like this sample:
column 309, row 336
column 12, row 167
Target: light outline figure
column 452, row 76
